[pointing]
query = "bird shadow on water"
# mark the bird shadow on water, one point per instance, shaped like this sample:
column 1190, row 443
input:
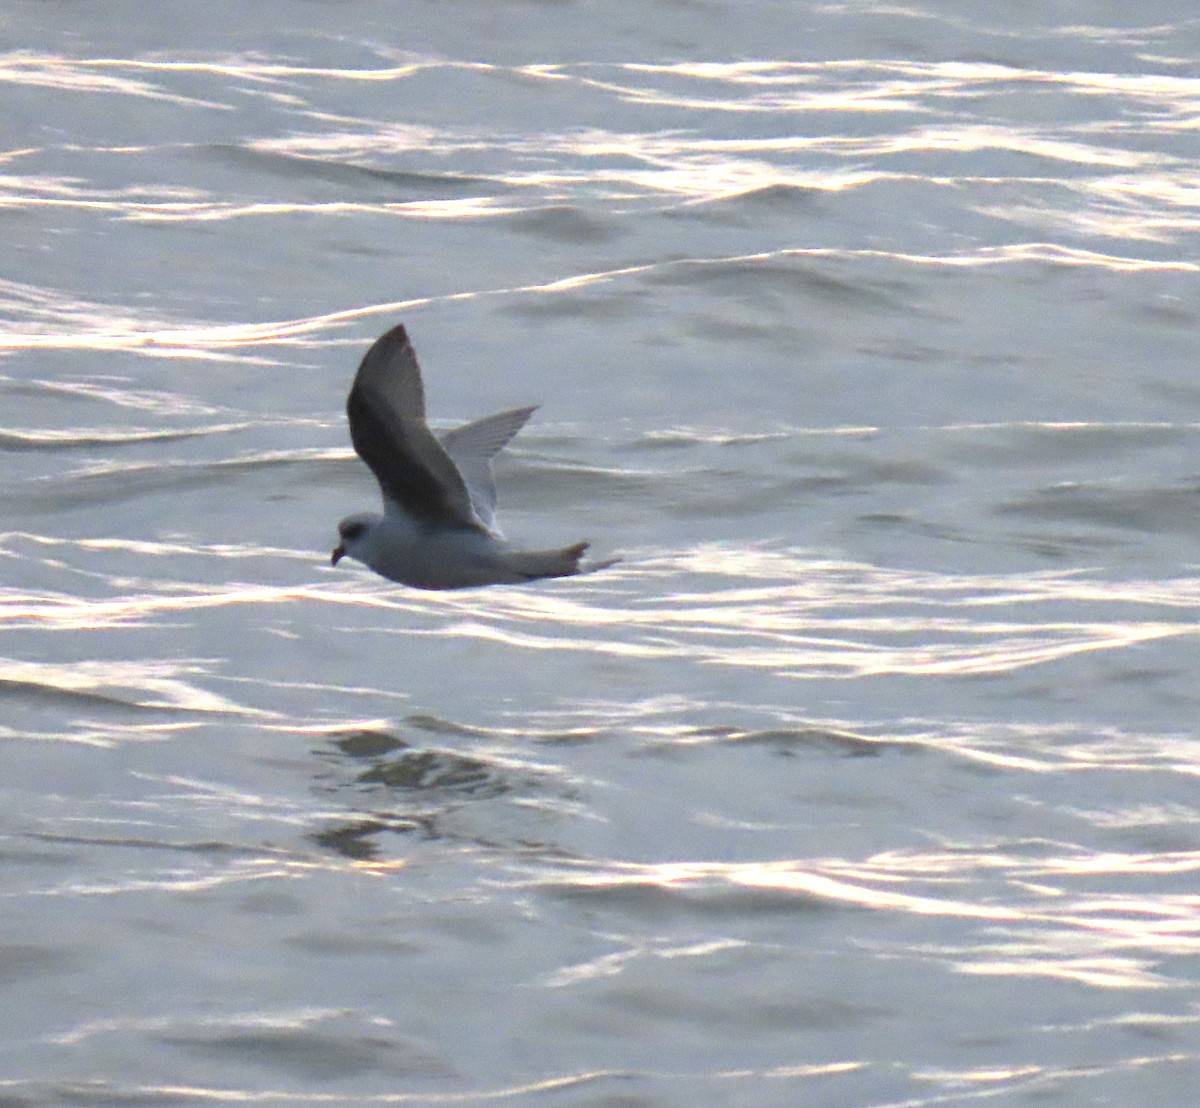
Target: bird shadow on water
column 414, row 786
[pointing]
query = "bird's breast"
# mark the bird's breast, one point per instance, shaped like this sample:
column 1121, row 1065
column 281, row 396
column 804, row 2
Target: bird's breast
column 431, row 558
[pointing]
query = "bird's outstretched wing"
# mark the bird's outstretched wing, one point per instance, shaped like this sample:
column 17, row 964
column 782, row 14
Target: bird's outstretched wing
column 472, row 448
column 386, row 408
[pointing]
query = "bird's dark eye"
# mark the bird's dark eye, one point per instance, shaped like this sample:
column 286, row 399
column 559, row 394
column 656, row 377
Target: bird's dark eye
column 352, row 530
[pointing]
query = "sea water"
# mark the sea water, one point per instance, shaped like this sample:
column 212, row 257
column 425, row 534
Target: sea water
column 865, row 334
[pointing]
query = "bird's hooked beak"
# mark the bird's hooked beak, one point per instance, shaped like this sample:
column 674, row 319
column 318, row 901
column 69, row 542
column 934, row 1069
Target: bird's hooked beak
column 339, row 552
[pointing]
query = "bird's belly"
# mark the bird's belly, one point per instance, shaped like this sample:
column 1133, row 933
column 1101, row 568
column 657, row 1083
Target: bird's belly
column 452, row 559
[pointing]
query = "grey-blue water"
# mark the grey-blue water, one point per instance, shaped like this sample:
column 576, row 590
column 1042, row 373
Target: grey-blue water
column 865, row 333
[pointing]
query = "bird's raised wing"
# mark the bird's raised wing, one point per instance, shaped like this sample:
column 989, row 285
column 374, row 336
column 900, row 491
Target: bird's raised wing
column 472, row 448
column 386, row 408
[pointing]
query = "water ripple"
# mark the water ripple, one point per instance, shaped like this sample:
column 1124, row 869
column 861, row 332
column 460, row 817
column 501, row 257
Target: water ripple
column 99, row 332
column 798, row 615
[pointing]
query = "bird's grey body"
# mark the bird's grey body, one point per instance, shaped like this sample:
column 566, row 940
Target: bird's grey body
column 438, row 528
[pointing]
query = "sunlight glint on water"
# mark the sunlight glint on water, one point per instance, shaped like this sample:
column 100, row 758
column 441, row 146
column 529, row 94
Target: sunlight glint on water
column 865, row 336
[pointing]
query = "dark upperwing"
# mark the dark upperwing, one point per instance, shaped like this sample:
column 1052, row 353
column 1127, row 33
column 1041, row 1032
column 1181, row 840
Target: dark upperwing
column 386, row 409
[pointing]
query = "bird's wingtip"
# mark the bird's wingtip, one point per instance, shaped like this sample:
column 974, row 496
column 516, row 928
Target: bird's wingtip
column 397, row 334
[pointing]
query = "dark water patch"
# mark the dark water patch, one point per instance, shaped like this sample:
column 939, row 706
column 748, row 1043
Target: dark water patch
column 1139, row 675
column 907, row 350
column 790, row 741
column 574, row 736
column 272, row 902
column 312, row 1054
column 730, row 493
column 1169, row 510
column 413, row 793
column 742, row 208
column 753, row 277
column 358, row 840
column 435, row 725
column 437, row 821
column 55, row 696
column 563, row 223
column 911, row 525
column 657, row 1001
column 786, row 741
column 438, row 770
column 1062, row 547
column 861, row 472
column 1179, row 394
column 7, row 1101
column 340, row 945
column 778, row 197
column 15, row 856
column 368, row 744
column 1171, row 315
column 725, row 495
column 21, row 962
column 724, row 327
column 545, row 482
column 304, row 167
column 371, row 743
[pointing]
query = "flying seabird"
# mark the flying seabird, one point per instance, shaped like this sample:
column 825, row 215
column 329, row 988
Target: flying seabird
column 438, row 527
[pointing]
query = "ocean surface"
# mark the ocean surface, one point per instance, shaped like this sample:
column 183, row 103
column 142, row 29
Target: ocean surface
column 866, row 334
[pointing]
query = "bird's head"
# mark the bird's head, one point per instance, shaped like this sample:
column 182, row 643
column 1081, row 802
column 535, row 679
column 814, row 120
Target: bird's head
column 352, row 533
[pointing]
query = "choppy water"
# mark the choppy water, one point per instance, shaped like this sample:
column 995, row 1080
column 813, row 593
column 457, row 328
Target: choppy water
column 867, row 334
